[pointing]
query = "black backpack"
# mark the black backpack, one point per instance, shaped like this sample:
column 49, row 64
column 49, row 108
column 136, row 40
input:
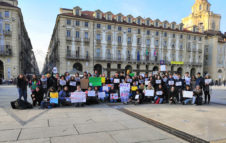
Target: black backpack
column 21, row 104
column 199, row 100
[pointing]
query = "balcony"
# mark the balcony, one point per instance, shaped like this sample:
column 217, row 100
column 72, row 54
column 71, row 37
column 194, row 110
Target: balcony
column 69, row 38
column 200, row 50
column 189, row 49
column 77, row 57
column 119, row 43
column 6, row 51
column 109, row 42
column 129, row 43
column 86, row 40
column 77, row 39
column 98, row 41
column 7, row 32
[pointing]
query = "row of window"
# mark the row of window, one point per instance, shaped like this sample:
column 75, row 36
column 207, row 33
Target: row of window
column 7, row 27
column 6, row 14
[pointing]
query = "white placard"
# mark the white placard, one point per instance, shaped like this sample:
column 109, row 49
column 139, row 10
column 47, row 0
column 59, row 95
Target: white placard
column 155, row 72
column 55, row 70
column 179, row 83
column 141, row 81
column 91, row 93
column 137, row 96
column 171, row 82
column 187, row 94
column 101, row 95
column 147, row 82
column 62, row 82
column 114, row 96
column 159, row 93
column 105, row 88
column 149, row 93
column 78, row 97
column 163, row 68
column 116, row 80
column 208, row 81
column 129, row 80
column 158, row 81
column 72, row 83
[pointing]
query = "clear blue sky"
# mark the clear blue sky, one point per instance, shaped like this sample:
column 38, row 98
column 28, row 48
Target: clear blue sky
column 40, row 15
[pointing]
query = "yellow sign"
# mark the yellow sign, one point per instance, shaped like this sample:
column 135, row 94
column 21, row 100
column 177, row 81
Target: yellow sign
column 134, row 88
column 53, row 94
column 176, row 63
column 102, row 79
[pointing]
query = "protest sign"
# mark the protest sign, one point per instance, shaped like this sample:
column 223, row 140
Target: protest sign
column 72, row 83
column 124, row 91
column 91, row 93
column 114, row 96
column 187, row 94
column 163, row 68
column 155, row 72
column 105, row 88
column 68, row 99
column 84, row 83
column 129, row 80
column 101, row 95
column 95, row 81
column 158, row 81
column 149, row 93
column 159, row 93
column 54, row 95
column 55, row 70
column 137, row 97
column 134, row 88
column 208, row 81
column 103, row 79
column 132, row 74
column 171, row 82
column 78, row 97
column 62, row 82
column 116, row 80
column 179, row 83
column 53, row 100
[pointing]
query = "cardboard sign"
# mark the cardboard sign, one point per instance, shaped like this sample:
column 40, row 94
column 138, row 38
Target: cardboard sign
column 53, row 100
column 159, row 93
column 187, row 94
column 91, row 93
column 179, row 83
column 105, row 88
column 101, row 95
column 114, row 96
column 163, row 68
column 141, row 81
column 129, row 80
column 149, row 93
column 54, row 94
column 116, row 80
column 78, row 97
column 62, row 82
column 103, row 80
column 72, row 83
column 124, row 90
column 95, row 81
column 171, row 82
column 137, row 96
column 84, row 83
column 208, row 81
column 158, row 81
column 147, row 82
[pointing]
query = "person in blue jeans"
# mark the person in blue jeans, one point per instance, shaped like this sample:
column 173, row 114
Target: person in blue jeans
column 22, row 87
column 187, row 100
column 159, row 95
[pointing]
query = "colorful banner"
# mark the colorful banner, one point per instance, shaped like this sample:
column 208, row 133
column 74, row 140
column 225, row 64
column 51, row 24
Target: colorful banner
column 54, row 95
column 78, row 97
column 54, row 100
column 176, row 63
column 103, row 80
column 132, row 74
column 95, row 81
column 124, row 91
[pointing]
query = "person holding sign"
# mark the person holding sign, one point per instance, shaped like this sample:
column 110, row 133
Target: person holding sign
column 64, row 97
column 72, row 84
column 173, row 94
column 159, row 95
column 37, row 96
column 116, row 82
column 179, row 87
column 80, row 104
column 158, row 82
column 62, row 83
column 206, row 88
column 149, row 97
column 91, row 96
column 137, row 98
column 112, row 92
column 197, row 99
column 134, row 88
column 186, row 98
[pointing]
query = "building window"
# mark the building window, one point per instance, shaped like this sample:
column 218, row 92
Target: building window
column 138, row 31
column 213, row 25
column 119, row 39
column 173, row 26
column 98, row 15
column 138, row 41
column 98, row 52
column 77, row 23
column 86, row 24
column 148, row 32
column 7, row 27
column 109, row 17
column 109, row 37
column 68, row 33
column 77, row 34
column 129, row 40
column 119, row 55
column 156, row 42
column 164, row 25
column 174, row 35
column 148, row 22
column 77, row 12
column 119, row 18
column 165, row 43
column 108, row 54
column 165, row 34
column 6, row 14
column 129, row 19
column 194, row 37
column 156, row 24
column 86, row 35
column 156, row 33
column 129, row 30
column 119, row 66
column 200, row 38
column 148, row 42
column 181, row 36
column 68, row 22
column 119, row 28
column 138, row 20
column 189, row 37
column 98, row 26
column 98, row 36
column 109, row 27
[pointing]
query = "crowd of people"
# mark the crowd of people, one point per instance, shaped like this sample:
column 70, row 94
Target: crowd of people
column 168, row 88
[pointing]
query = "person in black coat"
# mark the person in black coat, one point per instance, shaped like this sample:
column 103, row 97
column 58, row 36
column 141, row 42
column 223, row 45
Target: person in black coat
column 22, row 87
column 173, row 94
column 37, row 96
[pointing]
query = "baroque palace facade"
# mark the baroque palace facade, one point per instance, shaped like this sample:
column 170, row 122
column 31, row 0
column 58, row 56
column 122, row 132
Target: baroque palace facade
column 16, row 55
column 208, row 23
column 94, row 40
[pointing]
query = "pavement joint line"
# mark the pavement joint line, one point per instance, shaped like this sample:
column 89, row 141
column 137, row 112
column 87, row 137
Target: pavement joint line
column 48, row 123
column 168, row 129
column 76, row 129
column 19, row 135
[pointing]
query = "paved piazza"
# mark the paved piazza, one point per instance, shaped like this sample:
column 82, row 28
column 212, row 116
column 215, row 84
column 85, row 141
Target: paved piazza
column 103, row 123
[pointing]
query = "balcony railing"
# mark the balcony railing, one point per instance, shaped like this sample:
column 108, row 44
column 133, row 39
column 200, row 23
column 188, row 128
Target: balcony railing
column 86, row 40
column 7, row 32
column 6, row 51
column 69, row 38
column 129, row 43
column 77, row 57
column 109, row 42
column 77, row 39
column 98, row 41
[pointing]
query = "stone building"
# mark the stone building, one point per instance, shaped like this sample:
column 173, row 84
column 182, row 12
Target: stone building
column 16, row 55
column 207, row 22
column 107, row 42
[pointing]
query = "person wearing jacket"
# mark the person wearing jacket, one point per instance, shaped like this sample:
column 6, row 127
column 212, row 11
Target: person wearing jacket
column 34, row 82
column 179, row 86
column 159, row 94
column 22, row 87
column 199, row 80
column 187, row 100
column 44, row 84
column 63, row 95
column 37, row 96
column 197, row 95
column 206, row 88
column 173, row 94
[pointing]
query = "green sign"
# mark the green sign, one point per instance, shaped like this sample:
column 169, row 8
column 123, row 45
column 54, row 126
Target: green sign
column 132, row 74
column 95, row 81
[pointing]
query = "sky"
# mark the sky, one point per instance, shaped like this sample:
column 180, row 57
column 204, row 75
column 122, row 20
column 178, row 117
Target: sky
column 40, row 15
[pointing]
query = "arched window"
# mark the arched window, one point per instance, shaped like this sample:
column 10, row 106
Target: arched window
column 77, row 67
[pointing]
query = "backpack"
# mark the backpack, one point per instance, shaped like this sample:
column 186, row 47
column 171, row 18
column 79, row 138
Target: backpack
column 21, row 104
column 199, row 100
